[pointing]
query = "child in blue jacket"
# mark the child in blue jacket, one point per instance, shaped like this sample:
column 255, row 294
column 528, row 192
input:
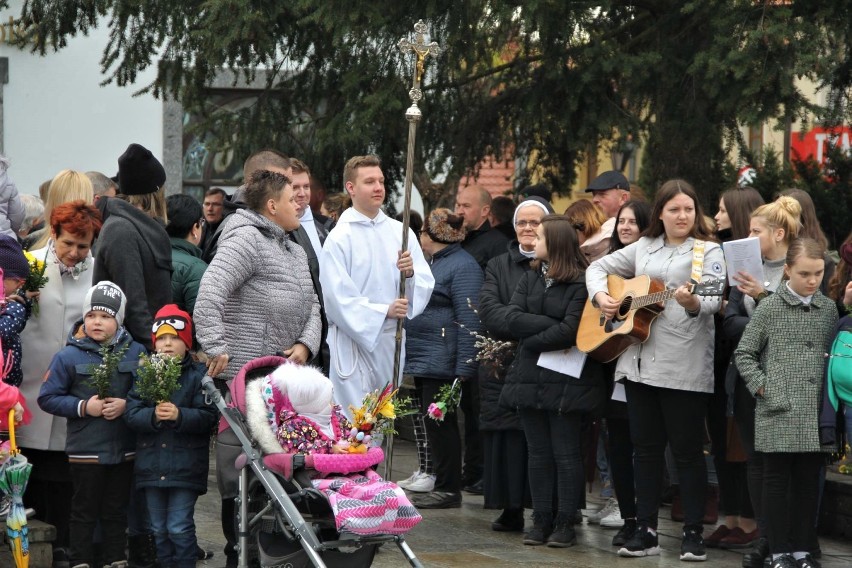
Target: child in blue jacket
column 173, row 444
column 99, row 444
column 16, row 305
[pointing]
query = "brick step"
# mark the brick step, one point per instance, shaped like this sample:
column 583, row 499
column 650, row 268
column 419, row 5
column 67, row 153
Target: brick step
column 41, row 537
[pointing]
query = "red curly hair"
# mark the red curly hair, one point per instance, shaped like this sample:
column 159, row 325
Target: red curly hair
column 77, row 218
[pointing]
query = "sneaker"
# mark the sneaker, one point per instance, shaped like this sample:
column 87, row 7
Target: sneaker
column 405, row 482
column 738, row 538
column 808, row 562
column 610, row 506
column 437, row 500
column 716, row 537
column 625, row 533
column 424, row 483
column 563, row 534
column 784, row 561
column 692, row 546
column 542, row 527
column 474, row 488
column 642, row 543
column 613, row 520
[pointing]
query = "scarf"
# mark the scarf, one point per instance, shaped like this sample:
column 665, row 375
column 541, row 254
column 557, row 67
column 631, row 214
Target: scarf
column 73, row 271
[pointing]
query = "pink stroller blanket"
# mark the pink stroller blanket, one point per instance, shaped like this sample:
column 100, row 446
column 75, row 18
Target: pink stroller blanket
column 366, row 504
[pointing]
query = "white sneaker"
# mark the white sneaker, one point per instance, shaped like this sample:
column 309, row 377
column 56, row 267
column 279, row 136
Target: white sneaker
column 404, row 483
column 611, row 505
column 613, row 520
column 424, row 483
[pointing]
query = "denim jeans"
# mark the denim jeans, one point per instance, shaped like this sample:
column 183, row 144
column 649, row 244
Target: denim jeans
column 553, row 441
column 171, row 510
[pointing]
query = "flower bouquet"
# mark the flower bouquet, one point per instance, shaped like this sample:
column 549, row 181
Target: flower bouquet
column 374, row 419
column 101, row 379
column 449, row 398
column 36, row 280
column 158, row 378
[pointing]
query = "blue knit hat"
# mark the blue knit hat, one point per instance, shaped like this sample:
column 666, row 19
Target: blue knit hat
column 12, row 259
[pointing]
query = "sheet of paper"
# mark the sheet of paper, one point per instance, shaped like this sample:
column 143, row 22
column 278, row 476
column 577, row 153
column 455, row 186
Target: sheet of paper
column 743, row 255
column 565, row 361
column 618, row 393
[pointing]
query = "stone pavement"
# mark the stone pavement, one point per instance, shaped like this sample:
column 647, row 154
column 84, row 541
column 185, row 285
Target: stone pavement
column 463, row 537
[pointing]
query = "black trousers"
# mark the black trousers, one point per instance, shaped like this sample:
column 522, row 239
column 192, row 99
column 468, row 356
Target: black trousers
column 621, row 464
column 744, row 405
column 444, row 437
column 791, row 487
column 660, row 416
column 555, row 458
column 101, row 494
column 49, row 491
column 733, row 478
column 473, row 458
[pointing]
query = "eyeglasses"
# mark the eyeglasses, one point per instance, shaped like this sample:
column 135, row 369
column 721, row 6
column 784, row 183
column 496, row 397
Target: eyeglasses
column 530, row 224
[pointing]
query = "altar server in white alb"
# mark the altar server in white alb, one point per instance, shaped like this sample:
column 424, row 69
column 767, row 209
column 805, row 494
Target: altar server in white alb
column 360, row 269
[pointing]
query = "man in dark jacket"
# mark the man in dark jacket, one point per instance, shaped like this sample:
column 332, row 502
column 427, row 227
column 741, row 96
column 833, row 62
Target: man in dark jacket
column 474, row 204
column 214, row 213
column 184, row 229
column 483, row 244
column 133, row 247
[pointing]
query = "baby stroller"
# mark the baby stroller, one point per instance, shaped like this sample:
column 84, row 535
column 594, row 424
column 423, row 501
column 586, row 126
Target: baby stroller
column 281, row 519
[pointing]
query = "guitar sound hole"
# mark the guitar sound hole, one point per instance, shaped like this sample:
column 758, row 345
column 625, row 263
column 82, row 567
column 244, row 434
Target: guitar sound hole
column 624, row 308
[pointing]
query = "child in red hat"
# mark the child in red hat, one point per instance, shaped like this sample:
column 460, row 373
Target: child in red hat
column 172, row 444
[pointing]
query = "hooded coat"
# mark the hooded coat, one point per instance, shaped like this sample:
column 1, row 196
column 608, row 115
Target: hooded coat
column 256, row 297
column 90, row 439
column 134, row 251
column 546, row 318
column 174, row 453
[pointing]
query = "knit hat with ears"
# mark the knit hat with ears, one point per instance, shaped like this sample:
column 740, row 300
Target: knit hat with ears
column 107, row 297
column 172, row 319
column 443, row 226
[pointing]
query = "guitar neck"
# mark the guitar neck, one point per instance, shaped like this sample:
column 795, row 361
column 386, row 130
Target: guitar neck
column 655, row 298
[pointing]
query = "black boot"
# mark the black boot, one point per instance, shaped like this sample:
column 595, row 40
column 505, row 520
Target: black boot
column 542, row 527
column 755, row 557
column 142, row 551
column 563, row 534
column 511, row 520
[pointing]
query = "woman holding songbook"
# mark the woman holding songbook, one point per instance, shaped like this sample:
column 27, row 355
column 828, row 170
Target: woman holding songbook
column 669, row 377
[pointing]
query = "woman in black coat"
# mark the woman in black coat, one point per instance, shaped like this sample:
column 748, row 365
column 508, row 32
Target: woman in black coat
column 504, row 479
column 545, row 314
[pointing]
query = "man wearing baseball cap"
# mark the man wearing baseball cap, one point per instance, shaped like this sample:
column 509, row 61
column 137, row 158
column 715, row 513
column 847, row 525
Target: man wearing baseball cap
column 610, row 191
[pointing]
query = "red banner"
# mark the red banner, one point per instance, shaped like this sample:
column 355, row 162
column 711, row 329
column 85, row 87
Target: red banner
column 815, row 142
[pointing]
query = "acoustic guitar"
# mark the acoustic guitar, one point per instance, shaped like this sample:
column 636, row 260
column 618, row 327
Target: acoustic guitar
column 640, row 300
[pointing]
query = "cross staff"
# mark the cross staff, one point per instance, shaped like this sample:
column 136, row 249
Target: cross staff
column 421, row 50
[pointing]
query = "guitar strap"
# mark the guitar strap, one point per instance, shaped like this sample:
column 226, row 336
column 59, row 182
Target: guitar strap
column 697, row 261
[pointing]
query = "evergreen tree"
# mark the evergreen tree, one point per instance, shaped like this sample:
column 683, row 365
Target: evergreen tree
column 546, row 80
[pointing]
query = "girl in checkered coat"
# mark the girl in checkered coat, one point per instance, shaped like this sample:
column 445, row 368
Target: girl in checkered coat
column 781, row 359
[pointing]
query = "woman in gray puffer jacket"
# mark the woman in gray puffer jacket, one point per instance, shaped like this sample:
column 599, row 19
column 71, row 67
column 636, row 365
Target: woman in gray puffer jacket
column 257, row 297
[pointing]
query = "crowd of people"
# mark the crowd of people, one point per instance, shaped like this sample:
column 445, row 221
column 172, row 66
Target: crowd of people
column 486, row 293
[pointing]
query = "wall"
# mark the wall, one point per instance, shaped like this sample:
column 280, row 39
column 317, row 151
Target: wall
column 56, row 115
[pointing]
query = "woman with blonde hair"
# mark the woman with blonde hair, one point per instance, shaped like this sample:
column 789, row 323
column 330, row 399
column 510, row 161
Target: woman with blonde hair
column 67, row 185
